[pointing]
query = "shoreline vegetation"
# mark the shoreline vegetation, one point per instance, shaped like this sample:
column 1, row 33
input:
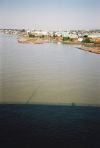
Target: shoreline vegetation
column 86, row 46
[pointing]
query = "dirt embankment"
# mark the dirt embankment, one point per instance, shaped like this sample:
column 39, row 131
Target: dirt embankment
column 32, row 40
column 91, row 49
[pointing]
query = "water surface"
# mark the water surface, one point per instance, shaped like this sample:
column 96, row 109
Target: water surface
column 47, row 73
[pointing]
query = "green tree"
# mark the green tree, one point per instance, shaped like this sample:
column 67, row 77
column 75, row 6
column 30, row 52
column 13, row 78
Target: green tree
column 66, row 38
column 31, row 35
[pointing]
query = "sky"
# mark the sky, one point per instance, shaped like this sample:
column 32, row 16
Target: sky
column 50, row 14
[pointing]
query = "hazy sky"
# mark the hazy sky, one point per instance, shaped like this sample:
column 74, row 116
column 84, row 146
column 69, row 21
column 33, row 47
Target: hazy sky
column 50, row 14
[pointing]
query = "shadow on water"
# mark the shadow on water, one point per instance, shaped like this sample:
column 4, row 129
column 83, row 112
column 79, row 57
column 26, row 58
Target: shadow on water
column 32, row 95
column 49, row 126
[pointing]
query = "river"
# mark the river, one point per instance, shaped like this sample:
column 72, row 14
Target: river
column 47, row 73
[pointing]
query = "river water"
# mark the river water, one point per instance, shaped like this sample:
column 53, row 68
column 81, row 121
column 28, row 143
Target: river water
column 47, row 73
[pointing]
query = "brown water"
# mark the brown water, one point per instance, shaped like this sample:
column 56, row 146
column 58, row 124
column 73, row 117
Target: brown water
column 47, row 73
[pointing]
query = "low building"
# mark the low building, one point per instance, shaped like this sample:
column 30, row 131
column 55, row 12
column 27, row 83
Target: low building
column 80, row 39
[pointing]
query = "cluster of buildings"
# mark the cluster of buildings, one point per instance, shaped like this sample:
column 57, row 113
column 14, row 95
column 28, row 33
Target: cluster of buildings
column 74, row 34
column 12, row 31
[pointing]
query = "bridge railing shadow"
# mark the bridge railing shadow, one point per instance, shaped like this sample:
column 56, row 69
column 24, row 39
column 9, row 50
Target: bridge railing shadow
column 43, row 125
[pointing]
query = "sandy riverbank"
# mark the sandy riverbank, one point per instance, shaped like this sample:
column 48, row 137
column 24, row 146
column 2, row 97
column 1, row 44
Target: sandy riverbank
column 91, row 49
column 32, row 40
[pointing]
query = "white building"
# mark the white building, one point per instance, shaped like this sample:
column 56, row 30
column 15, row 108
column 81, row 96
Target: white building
column 80, row 39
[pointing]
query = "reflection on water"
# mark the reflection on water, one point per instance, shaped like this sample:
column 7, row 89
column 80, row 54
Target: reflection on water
column 47, row 73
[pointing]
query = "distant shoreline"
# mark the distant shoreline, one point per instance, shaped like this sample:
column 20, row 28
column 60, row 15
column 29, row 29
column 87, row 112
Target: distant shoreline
column 27, row 40
column 93, row 48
